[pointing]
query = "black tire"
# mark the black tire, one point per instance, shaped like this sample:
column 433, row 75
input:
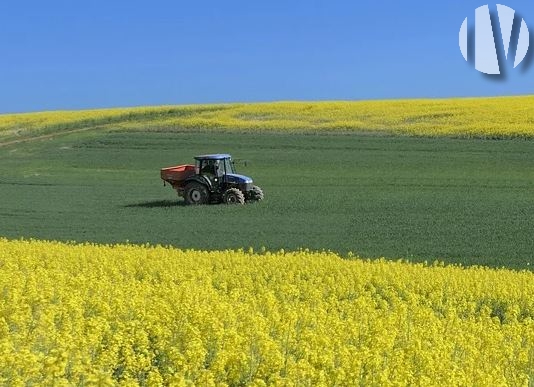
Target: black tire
column 233, row 196
column 255, row 194
column 196, row 193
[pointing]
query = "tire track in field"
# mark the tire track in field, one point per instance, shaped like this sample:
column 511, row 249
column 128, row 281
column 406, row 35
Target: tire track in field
column 48, row 136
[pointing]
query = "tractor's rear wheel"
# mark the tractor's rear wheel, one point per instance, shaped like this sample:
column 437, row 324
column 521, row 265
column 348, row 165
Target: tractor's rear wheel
column 196, row 193
column 233, row 196
column 255, row 194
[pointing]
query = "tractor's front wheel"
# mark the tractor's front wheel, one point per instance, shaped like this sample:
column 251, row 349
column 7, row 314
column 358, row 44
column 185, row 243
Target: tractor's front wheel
column 196, row 193
column 255, row 194
column 233, row 196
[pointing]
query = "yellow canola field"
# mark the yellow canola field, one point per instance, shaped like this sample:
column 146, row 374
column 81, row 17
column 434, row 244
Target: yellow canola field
column 103, row 315
column 498, row 117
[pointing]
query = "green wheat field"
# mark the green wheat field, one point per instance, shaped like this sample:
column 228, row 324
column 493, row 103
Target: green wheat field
column 424, row 180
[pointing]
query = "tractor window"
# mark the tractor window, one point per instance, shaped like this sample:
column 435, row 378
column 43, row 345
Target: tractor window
column 219, row 168
column 229, row 166
column 212, row 168
column 208, row 167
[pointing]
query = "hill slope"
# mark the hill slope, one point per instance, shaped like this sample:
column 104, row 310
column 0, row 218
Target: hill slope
column 503, row 117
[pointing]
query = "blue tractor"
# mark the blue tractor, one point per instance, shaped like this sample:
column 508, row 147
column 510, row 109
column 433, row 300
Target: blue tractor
column 212, row 179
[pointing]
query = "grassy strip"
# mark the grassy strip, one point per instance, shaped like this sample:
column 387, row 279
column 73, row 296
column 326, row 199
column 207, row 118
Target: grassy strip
column 467, row 201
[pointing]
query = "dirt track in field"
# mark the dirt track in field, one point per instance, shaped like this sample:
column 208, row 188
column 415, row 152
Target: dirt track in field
column 47, row 136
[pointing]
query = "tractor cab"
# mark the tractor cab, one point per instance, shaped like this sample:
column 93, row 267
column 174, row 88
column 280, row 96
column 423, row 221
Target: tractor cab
column 219, row 169
column 215, row 166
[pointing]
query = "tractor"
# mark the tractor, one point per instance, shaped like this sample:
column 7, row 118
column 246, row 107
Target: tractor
column 212, row 179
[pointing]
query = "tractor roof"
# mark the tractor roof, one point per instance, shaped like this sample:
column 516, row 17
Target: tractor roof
column 219, row 156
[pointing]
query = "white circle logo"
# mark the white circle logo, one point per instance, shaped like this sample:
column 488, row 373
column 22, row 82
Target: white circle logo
column 486, row 57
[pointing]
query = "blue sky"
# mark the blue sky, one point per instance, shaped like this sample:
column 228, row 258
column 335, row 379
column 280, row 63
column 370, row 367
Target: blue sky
column 91, row 54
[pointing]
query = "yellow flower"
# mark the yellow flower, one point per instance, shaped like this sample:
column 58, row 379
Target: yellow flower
column 139, row 315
